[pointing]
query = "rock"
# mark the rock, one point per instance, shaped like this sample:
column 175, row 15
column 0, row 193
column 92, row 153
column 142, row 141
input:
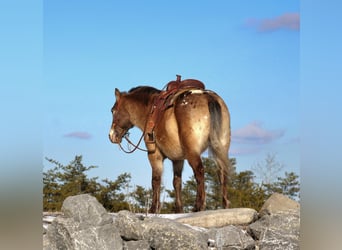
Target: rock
column 279, row 225
column 220, row 217
column 84, row 225
column 129, row 225
column 158, row 232
column 278, row 203
column 168, row 234
column 136, row 245
column 85, row 209
column 277, row 231
column 230, row 237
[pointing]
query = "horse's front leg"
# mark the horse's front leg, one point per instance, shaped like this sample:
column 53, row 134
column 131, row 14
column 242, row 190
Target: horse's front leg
column 156, row 161
column 177, row 184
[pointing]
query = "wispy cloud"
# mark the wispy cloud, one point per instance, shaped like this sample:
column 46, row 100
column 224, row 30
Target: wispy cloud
column 254, row 133
column 79, row 135
column 288, row 21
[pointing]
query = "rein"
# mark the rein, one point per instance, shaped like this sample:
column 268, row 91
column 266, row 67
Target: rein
column 135, row 147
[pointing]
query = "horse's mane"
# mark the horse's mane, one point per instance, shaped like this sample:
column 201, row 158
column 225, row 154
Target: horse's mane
column 143, row 93
column 144, row 90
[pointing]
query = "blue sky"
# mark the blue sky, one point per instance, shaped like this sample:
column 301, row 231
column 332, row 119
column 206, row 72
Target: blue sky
column 247, row 52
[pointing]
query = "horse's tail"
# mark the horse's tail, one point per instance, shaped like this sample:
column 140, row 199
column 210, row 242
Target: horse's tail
column 217, row 144
column 219, row 141
column 215, row 111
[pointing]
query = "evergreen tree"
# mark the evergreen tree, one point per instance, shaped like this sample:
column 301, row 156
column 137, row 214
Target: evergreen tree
column 52, row 197
column 111, row 195
column 66, row 180
column 244, row 192
column 62, row 181
column 289, row 185
column 141, row 197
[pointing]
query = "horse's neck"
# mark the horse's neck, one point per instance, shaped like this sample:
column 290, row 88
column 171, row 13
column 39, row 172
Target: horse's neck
column 139, row 113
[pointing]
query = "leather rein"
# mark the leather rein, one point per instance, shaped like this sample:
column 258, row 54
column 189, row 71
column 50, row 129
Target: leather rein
column 135, row 146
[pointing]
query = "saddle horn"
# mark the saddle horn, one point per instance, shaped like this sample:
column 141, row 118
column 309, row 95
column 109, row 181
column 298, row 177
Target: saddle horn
column 178, row 78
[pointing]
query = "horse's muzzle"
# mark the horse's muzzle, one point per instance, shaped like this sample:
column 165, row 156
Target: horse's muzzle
column 113, row 137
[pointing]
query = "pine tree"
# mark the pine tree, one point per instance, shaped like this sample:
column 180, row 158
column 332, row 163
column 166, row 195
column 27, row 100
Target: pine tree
column 289, row 185
column 244, row 192
column 140, row 199
column 66, row 180
column 52, row 197
column 62, row 181
column 111, row 195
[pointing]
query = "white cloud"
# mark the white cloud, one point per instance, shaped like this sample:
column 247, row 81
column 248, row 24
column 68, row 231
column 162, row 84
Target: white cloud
column 254, row 133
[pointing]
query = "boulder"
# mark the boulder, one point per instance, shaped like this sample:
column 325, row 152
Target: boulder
column 86, row 210
column 277, row 231
column 279, row 225
column 230, row 237
column 278, row 203
column 160, row 233
column 129, row 225
column 84, row 225
column 220, row 217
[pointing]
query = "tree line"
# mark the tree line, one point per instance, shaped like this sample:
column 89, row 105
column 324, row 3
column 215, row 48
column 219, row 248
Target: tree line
column 62, row 181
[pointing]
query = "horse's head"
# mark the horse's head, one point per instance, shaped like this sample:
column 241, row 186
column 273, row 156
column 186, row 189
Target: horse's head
column 121, row 119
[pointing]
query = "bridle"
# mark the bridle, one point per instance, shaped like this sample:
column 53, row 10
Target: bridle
column 125, row 135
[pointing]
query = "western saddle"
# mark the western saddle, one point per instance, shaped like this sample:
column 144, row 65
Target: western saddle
column 165, row 100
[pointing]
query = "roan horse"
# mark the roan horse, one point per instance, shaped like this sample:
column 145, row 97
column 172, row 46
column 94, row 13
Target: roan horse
column 196, row 120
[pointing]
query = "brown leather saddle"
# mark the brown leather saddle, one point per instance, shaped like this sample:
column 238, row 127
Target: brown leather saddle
column 166, row 99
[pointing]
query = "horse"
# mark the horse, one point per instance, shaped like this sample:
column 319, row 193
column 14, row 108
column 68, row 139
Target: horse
column 196, row 121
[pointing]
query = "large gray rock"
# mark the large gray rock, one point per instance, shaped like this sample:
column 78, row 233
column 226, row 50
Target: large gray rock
column 160, row 233
column 86, row 210
column 278, row 203
column 277, row 231
column 220, row 217
column 279, row 225
column 129, row 225
column 84, row 225
column 168, row 234
column 230, row 237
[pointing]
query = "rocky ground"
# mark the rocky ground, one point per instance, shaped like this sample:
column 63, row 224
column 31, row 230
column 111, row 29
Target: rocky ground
column 85, row 224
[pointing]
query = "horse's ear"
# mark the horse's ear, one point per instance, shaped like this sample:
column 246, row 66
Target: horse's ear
column 117, row 94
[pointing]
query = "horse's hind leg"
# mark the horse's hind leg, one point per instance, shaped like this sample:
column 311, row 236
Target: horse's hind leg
column 177, row 184
column 197, row 166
